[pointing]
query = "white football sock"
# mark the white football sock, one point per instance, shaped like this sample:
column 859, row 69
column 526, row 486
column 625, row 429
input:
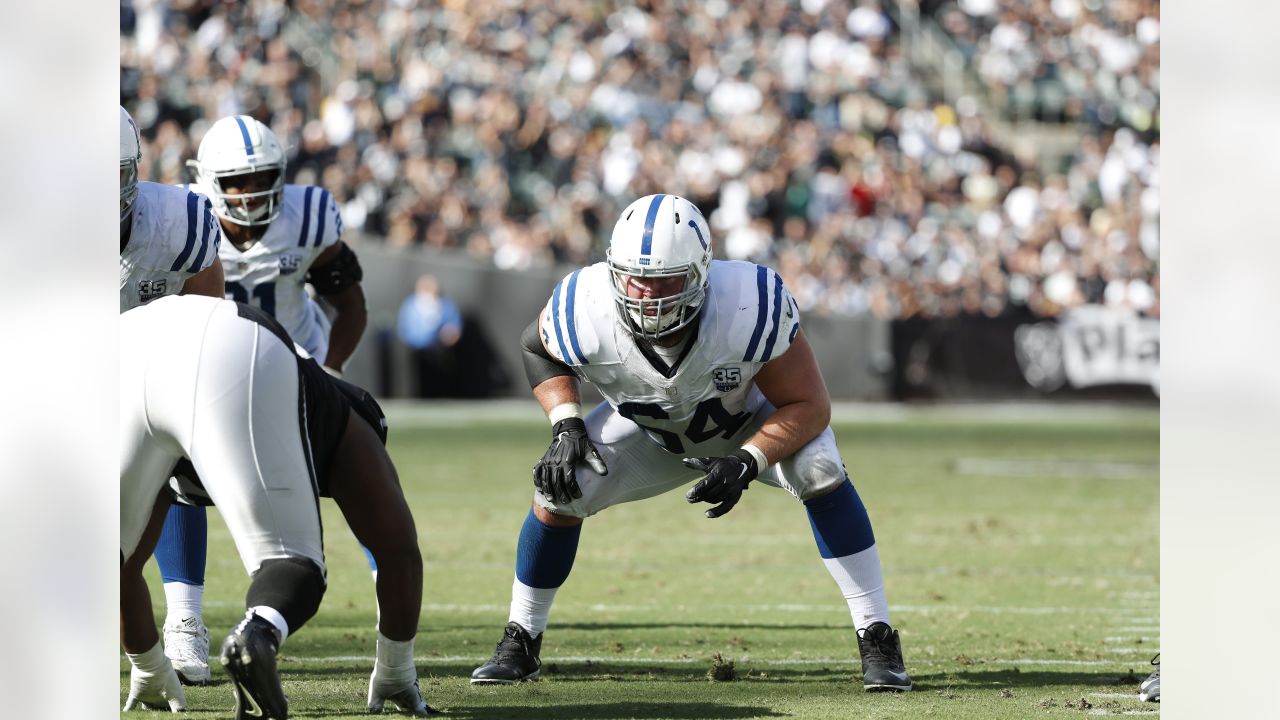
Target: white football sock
column 862, row 585
column 530, row 606
column 182, row 601
column 274, row 617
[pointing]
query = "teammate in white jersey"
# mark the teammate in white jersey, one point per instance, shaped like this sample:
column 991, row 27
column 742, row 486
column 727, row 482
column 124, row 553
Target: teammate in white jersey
column 707, row 379
column 280, row 238
column 262, row 432
column 169, row 241
column 168, row 236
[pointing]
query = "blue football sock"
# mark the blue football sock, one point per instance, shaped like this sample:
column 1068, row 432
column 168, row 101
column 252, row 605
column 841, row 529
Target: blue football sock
column 840, row 523
column 842, row 531
column 544, row 557
column 373, row 564
column 183, row 545
column 545, row 553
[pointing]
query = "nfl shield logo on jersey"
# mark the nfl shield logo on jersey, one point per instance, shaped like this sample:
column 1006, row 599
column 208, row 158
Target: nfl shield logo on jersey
column 290, row 264
column 727, row 378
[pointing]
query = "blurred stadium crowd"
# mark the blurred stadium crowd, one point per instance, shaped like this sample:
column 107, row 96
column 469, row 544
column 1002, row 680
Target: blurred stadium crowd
column 516, row 130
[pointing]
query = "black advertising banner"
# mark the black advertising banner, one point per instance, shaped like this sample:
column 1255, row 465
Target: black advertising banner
column 1088, row 352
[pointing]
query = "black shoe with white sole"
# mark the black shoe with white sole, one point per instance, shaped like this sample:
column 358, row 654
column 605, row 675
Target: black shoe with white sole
column 882, row 666
column 515, row 659
column 249, row 655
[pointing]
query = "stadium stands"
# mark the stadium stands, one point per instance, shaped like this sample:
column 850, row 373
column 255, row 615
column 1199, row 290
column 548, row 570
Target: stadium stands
column 515, row 131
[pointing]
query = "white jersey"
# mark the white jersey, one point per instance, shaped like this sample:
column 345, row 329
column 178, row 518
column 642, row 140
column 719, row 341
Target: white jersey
column 747, row 319
column 272, row 274
column 174, row 236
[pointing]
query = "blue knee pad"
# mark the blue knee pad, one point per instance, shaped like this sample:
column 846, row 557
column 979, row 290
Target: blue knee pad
column 184, row 544
column 545, row 553
column 840, row 523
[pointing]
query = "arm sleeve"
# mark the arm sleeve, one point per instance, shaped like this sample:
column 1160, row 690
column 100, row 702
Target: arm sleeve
column 539, row 365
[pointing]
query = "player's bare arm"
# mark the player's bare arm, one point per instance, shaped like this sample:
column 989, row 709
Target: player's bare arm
column 206, row 282
column 793, row 383
column 153, row 684
column 137, row 624
column 343, row 291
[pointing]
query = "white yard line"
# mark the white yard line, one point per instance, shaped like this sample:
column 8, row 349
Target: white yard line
column 676, row 611
column 696, row 660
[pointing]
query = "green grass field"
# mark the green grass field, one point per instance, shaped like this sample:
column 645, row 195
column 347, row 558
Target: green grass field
column 1021, row 559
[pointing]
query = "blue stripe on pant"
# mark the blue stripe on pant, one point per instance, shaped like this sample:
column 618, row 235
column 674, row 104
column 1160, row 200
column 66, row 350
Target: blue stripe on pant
column 183, row 545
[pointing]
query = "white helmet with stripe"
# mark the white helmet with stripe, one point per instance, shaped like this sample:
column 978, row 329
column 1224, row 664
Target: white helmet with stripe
column 240, row 145
column 660, row 236
column 130, row 156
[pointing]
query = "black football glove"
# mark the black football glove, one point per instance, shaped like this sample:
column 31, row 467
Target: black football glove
column 726, row 479
column 554, row 475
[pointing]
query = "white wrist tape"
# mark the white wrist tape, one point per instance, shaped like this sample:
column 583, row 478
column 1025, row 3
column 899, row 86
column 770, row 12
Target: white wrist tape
column 151, row 661
column 395, row 654
column 564, row 410
column 762, row 462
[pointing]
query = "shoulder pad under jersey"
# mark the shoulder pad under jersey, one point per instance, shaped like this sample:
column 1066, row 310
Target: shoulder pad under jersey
column 757, row 318
column 578, row 321
column 178, row 228
column 312, row 213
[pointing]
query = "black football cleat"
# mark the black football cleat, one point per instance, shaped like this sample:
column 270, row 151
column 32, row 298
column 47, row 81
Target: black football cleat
column 249, row 655
column 515, row 659
column 1149, row 690
column 882, row 666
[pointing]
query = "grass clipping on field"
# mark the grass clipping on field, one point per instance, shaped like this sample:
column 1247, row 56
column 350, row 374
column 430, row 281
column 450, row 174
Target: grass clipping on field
column 721, row 670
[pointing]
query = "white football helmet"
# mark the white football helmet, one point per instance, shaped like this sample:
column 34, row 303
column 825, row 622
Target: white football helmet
column 660, row 236
column 130, row 156
column 240, row 145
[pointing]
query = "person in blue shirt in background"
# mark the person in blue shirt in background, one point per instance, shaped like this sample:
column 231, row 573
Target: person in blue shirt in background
column 431, row 324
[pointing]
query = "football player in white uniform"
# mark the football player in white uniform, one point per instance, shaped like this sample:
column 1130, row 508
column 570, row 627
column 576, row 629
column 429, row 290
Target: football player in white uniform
column 169, row 239
column 263, row 432
column 708, row 379
column 169, row 242
column 279, row 238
